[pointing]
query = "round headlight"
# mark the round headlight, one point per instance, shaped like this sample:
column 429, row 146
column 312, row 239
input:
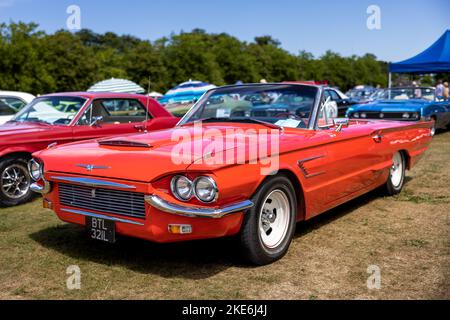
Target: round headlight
column 363, row 115
column 405, row 115
column 181, row 188
column 205, row 189
column 415, row 115
column 356, row 115
column 36, row 170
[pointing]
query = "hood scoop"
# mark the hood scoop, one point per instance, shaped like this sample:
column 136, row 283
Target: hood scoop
column 124, row 143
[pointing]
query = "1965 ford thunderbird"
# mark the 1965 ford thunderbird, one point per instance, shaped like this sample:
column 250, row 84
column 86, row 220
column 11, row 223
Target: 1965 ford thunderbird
column 226, row 171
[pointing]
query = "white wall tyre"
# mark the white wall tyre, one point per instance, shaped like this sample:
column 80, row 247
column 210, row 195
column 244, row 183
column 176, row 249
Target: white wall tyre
column 268, row 227
column 396, row 179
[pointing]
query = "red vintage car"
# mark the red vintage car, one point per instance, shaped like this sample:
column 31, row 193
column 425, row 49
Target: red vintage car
column 248, row 160
column 67, row 117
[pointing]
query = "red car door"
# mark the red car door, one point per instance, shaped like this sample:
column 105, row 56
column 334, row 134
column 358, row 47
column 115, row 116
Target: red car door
column 112, row 116
column 353, row 161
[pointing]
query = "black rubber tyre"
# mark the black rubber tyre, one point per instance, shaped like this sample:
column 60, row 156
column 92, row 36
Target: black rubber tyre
column 253, row 248
column 21, row 163
column 396, row 179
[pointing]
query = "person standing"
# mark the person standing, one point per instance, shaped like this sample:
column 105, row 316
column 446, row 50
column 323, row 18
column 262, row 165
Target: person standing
column 446, row 91
column 440, row 90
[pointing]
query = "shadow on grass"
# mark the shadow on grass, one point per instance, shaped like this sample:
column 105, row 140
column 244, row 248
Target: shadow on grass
column 191, row 260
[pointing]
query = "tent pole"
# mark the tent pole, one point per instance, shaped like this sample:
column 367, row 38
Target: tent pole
column 390, row 80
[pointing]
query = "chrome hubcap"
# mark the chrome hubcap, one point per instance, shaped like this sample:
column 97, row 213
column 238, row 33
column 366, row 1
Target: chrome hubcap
column 274, row 218
column 397, row 170
column 15, row 181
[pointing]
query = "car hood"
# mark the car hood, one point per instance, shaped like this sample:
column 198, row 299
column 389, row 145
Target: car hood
column 14, row 131
column 148, row 156
column 392, row 106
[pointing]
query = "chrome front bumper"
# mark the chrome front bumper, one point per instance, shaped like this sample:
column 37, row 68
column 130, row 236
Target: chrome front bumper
column 196, row 212
column 35, row 187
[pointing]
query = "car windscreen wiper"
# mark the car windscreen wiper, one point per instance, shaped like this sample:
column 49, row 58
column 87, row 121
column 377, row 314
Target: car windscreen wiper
column 240, row 120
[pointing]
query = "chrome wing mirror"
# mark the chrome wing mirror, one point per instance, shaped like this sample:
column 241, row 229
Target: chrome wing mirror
column 96, row 121
column 340, row 123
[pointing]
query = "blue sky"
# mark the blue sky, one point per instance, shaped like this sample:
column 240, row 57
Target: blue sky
column 407, row 26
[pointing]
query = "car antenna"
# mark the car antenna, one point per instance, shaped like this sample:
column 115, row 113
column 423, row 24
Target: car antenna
column 147, row 106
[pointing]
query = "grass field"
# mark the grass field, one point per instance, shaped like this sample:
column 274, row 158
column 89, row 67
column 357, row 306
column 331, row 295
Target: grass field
column 407, row 237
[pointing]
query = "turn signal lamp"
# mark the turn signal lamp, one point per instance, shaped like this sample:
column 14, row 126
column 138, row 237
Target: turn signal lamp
column 180, row 228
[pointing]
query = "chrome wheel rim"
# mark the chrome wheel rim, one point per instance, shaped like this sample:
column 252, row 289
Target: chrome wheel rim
column 15, row 181
column 397, row 170
column 274, row 219
column 433, row 130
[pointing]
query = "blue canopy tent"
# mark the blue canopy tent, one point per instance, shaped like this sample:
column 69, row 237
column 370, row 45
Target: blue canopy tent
column 435, row 59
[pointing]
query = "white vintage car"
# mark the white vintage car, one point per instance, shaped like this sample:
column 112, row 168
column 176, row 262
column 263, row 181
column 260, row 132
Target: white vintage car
column 11, row 102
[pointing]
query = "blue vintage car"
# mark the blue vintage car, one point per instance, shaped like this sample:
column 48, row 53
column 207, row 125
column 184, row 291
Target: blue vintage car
column 406, row 104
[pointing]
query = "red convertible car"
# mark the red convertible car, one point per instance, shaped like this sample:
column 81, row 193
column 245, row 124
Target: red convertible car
column 226, row 170
column 67, row 117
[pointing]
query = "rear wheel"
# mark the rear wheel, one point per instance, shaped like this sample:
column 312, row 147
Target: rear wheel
column 269, row 226
column 396, row 180
column 14, row 181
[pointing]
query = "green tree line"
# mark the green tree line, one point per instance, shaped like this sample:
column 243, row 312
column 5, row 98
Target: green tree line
column 36, row 62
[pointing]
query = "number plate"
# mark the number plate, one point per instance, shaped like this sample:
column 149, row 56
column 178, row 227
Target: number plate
column 101, row 229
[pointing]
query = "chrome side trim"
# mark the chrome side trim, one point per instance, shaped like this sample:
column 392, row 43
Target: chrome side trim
column 93, row 182
column 35, row 187
column 101, row 216
column 311, row 158
column 196, row 212
column 305, row 172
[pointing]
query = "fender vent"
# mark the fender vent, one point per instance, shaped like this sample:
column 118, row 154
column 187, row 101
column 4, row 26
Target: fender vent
column 124, row 143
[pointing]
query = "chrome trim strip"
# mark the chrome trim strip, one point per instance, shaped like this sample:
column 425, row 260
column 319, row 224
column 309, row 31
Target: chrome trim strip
column 101, row 216
column 35, row 187
column 196, row 212
column 93, row 182
column 305, row 171
column 311, row 158
column 313, row 120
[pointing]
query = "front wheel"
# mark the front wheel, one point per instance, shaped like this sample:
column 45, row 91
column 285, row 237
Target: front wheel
column 14, row 182
column 396, row 179
column 269, row 227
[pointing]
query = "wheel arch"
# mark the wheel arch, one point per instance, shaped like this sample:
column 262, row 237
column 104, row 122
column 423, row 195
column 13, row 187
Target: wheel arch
column 16, row 154
column 298, row 188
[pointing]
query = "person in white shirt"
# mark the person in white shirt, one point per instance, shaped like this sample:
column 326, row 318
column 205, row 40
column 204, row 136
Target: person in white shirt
column 440, row 90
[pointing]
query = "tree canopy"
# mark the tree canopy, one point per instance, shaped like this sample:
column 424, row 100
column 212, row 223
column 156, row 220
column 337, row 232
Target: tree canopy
column 37, row 62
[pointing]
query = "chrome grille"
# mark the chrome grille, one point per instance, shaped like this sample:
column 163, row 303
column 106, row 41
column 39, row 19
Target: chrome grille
column 131, row 204
column 386, row 116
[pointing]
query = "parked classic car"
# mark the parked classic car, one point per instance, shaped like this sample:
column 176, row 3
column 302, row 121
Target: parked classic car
column 407, row 104
column 67, row 117
column 361, row 93
column 343, row 102
column 11, row 102
column 144, row 186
